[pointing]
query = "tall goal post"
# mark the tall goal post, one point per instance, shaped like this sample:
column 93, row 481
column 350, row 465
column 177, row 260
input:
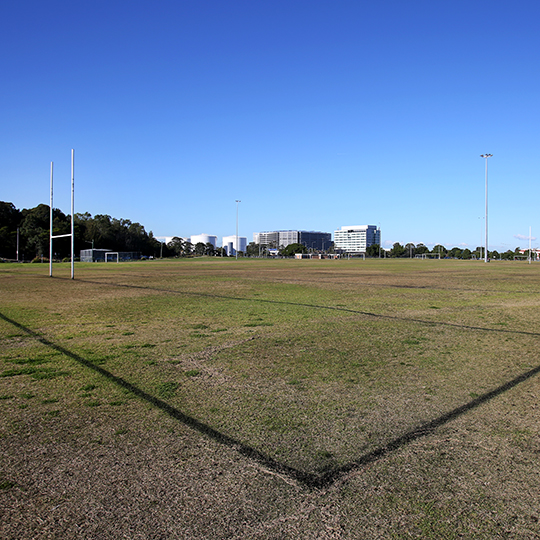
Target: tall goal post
column 72, row 233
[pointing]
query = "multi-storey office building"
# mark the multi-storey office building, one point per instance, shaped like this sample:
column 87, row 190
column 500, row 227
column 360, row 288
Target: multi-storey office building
column 280, row 239
column 267, row 238
column 356, row 239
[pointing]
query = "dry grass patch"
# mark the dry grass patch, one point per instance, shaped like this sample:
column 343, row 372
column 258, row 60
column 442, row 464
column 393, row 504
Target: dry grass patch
column 305, row 369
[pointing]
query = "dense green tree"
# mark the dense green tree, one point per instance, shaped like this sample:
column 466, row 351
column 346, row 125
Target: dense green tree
column 466, row 254
column 10, row 219
column 200, row 248
column 176, row 246
column 439, row 249
column 410, row 250
column 252, row 249
column 373, row 250
column 209, row 248
column 397, row 250
column 455, row 253
column 421, row 249
column 292, row 249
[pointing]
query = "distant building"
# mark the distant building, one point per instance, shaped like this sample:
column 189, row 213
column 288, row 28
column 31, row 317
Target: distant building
column 229, row 244
column 356, row 239
column 106, row 255
column 204, row 238
column 281, row 239
column 266, row 238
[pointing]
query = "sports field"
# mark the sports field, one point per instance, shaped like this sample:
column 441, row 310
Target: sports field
column 215, row 398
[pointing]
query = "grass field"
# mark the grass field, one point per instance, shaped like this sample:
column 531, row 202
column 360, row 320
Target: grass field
column 211, row 398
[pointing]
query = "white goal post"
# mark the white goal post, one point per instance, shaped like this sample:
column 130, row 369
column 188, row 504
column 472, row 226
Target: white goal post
column 72, row 233
column 112, row 253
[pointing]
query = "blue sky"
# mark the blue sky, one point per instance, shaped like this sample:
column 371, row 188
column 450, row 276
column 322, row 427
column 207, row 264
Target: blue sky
column 315, row 114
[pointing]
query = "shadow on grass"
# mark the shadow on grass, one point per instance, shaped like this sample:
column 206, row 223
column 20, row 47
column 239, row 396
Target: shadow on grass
column 310, row 480
column 313, row 306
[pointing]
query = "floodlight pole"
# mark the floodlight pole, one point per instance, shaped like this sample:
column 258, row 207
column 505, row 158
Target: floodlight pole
column 51, row 225
column 486, row 156
column 237, row 228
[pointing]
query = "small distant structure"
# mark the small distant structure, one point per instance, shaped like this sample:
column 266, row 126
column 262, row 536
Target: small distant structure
column 107, row 255
column 534, row 255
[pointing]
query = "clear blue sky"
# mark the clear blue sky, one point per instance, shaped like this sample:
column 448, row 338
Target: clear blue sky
column 314, row 113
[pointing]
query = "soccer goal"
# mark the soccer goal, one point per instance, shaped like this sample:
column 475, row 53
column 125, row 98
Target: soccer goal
column 112, row 254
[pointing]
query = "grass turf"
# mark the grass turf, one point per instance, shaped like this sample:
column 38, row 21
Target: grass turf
column 312, row 368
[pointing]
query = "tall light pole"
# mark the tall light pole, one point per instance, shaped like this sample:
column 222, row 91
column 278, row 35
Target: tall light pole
column 486, row 156
column 237, row 229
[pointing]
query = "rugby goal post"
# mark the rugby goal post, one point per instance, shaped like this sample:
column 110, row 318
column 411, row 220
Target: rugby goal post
column 72, row 233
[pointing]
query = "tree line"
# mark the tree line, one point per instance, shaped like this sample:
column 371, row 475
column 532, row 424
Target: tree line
column 411, row 250
column 30, row 229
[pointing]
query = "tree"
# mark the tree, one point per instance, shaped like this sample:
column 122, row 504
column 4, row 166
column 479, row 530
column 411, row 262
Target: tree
column 252, row 249
column 209, row 248
column 439, row 249
column 373, row 250
column 10, row 219
column 410, row 250
column 421, row 249
column 466, row 254
column 35, row 230
column 455, row 253
column 200, row 248
column 292, row 249
column 176, row 245
column 397, row 250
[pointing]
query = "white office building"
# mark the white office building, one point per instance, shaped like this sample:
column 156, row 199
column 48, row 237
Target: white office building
column 229, row 245
column 357, row 238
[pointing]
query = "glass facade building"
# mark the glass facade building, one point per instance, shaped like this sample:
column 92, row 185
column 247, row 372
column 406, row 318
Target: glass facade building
column 280, row 239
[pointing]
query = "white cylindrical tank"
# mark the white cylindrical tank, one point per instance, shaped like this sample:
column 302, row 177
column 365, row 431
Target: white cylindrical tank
column 204, row 238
